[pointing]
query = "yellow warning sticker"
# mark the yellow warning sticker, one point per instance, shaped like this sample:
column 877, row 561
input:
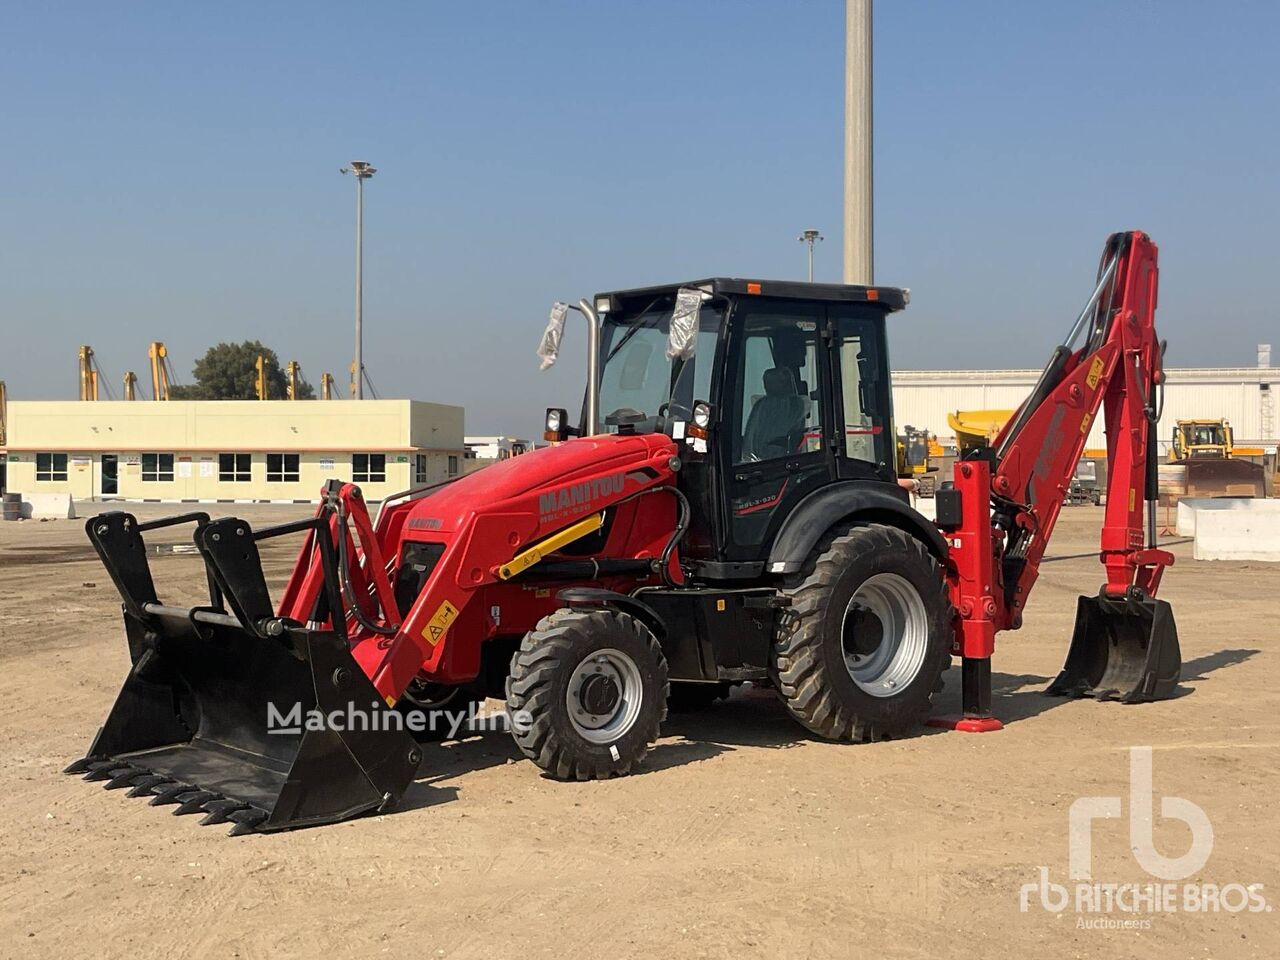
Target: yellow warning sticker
column 1095, row 372
column 1084, row 424
column 437, row 625
column 1133, row 497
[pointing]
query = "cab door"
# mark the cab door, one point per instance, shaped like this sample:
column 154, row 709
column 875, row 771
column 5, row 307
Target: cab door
column 864, row 442
column 774, row 433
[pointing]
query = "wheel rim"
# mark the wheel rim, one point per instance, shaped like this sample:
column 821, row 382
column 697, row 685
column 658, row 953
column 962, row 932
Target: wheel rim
column 606, row 681
column 884, row 634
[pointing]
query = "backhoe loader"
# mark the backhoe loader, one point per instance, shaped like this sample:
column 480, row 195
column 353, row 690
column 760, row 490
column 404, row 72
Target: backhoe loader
column 724, row 509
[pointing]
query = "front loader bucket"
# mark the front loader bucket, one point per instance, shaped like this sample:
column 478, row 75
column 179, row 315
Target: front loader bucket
column 266, row 726
column 1123, row 648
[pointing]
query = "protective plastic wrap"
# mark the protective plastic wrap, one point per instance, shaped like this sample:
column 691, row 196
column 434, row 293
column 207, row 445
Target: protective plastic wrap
column 549, row 347
column 683, row 338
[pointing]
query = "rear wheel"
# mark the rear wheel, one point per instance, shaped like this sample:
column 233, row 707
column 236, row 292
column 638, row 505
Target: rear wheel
column 587, row 693
column 867, row 637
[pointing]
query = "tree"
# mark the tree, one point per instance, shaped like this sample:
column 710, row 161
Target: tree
column 229, row 371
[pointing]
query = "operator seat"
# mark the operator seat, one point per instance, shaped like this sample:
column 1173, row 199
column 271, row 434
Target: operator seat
column 777, row 419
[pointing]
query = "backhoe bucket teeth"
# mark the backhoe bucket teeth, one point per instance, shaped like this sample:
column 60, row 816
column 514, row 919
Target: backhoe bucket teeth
column 1123, row 648
column 267, row 728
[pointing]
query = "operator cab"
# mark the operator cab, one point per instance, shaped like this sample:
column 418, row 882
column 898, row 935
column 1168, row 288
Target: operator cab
column 772, row 389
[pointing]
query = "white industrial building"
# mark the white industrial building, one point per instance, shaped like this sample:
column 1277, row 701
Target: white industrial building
column 1245, row 396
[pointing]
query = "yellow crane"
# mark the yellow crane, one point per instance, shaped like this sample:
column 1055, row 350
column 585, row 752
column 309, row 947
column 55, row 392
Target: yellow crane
column 4, row 404
column 88, row 374
column 261, row 385
column 130, row 385
column 295, row 373
column 161, row 371
column 326, row 386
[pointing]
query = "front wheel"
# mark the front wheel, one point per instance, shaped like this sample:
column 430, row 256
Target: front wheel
column 867, row 638
column 587, row 693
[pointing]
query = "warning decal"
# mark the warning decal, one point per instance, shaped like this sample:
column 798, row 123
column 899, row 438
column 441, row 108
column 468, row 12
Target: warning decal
column 1095, row 371
column 437, row 625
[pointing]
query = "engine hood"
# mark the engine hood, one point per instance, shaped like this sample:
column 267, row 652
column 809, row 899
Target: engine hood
column 565, row 472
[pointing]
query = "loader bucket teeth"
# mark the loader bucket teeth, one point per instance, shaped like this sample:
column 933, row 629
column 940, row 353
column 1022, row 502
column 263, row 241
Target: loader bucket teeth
column 142, row 787
column 194, row 802
column 126, row 779
column 106, row 770
column 1123, row 648
column 169, row 794
column 219, row 811
column 246, row 821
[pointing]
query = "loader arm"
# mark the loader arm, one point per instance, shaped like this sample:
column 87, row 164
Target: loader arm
column 1007, row 498
column 488, row 544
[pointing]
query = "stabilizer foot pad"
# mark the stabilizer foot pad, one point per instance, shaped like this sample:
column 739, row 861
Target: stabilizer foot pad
column 966, row 724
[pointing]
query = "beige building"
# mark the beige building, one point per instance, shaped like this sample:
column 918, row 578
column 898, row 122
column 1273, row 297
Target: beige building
column 227, row 450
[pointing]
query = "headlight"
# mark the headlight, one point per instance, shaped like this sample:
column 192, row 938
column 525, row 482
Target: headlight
column 553, row 421
column 702, row 415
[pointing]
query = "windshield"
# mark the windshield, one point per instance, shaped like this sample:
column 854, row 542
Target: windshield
column 638, row 384
column 1207, row 435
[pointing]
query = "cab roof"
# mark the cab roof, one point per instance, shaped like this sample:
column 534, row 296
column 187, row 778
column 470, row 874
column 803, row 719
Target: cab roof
column 891, row 298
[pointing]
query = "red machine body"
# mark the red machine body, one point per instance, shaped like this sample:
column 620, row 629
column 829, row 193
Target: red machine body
column 476, row 523
column 1010, row 501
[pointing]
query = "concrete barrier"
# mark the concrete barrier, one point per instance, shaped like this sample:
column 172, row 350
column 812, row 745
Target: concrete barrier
column 48, row 506
column 1238, row 534
column 1188, row 507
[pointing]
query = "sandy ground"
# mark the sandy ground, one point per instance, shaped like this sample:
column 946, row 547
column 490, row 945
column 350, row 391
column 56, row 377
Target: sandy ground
column 741, row 836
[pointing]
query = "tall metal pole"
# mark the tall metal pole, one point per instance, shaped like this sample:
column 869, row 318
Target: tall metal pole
column 810, row 237
column 858, row 142
column 363, row 170
column 359, row 374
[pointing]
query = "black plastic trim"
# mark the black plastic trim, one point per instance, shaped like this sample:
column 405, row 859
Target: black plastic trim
column 841, row 502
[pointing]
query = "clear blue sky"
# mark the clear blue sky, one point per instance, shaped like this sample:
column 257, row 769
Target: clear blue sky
column 172, row 173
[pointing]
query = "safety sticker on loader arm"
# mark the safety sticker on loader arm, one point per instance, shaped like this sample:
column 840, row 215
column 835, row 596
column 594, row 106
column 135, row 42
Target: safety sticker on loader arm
column 1095, row 373
column 437, row 625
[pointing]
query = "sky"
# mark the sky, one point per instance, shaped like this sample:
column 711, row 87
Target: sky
column 172, row 174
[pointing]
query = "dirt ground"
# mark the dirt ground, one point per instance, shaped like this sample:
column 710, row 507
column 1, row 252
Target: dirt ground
column 740, row 837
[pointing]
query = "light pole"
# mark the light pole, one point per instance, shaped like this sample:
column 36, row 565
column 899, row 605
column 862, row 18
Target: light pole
column 362, row 170
column 858, row 144
column 810, row 236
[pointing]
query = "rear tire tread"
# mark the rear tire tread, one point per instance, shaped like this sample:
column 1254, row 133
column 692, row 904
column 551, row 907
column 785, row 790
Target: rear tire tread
column 798, row 661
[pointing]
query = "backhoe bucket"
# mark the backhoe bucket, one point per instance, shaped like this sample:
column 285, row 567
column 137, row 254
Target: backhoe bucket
column 254, row 721
column 1123, row 648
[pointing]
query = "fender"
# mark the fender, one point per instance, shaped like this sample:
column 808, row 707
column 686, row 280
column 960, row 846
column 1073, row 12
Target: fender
column 594, row 597
column 840, row 502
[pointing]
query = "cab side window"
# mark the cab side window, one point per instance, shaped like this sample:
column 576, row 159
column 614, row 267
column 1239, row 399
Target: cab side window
column 778, row 411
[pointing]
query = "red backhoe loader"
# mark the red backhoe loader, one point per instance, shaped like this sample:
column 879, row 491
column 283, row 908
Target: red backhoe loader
column 734, row 516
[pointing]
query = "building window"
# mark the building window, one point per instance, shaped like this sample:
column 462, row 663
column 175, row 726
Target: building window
column 51, row 466
column 420, row 468
column 233, row 467
column 282, row 468
column 157, row 467
column 453, row 465
column 369, row 467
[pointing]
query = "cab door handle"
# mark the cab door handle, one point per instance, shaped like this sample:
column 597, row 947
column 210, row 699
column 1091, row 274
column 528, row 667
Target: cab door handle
column 749, row 477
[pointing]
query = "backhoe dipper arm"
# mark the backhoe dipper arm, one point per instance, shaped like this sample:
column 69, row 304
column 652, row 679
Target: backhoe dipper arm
column 1027, row 473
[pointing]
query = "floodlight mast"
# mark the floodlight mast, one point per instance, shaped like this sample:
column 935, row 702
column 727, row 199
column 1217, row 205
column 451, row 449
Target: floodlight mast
column 362, row 170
